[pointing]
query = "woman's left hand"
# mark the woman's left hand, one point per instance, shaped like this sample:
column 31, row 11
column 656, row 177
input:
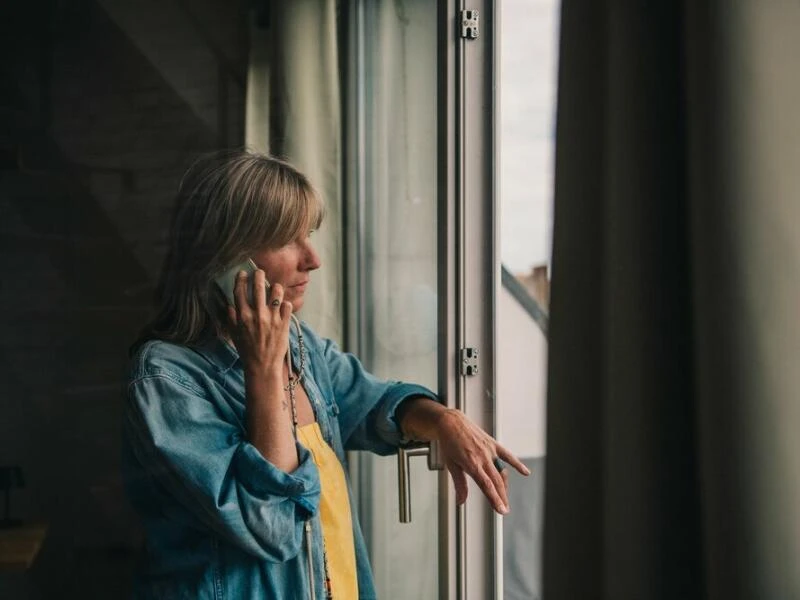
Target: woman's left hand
column 468, row 450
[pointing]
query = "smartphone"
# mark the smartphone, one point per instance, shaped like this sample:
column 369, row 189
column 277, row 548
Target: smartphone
column 227, row 280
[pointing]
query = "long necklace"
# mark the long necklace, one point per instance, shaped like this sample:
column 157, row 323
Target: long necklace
column 294, row 380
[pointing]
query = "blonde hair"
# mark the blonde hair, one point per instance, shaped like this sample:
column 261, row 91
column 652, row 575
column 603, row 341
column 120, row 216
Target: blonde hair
column 229, row 205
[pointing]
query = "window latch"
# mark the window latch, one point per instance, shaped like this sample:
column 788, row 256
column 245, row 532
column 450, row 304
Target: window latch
column 469, row 361
column 470, row 24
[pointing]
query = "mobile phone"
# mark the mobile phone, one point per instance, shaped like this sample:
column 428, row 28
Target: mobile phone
column 227, row 280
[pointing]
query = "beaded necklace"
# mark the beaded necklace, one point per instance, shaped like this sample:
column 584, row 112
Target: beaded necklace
column 294, row 380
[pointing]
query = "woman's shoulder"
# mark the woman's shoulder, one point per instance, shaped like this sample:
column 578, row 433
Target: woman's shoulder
column 311, row 339
column 156, row 358
column 314, row 340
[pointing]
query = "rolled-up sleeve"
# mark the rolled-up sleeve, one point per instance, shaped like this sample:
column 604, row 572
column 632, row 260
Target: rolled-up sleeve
column 180, row 440
column 367, row 404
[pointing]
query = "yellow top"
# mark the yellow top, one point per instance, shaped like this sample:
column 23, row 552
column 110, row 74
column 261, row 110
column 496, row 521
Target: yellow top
column 334, row 512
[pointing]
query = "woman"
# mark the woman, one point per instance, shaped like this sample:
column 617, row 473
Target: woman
column 237, row 417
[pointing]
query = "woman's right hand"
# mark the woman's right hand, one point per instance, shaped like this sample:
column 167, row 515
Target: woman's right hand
column 261, row 334
column 261, row 330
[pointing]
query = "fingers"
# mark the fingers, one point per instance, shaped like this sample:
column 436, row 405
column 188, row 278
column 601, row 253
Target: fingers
column 234, row 321
column 268, row 310
column 491, row 484
column 262, row 294
column 512, row 460
column 280, row 307
column 459, row 483
column 500, row 487
column 275, row 296
column 240, row 293
column 260, row 323
column 286, row 311
column 475, row 453
column 259, row 289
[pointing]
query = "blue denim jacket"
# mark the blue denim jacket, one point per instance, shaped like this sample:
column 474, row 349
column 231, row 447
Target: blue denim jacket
column 220, row 520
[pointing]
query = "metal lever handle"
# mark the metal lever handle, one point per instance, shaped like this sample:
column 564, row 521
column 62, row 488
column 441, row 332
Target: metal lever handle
column 403, row 473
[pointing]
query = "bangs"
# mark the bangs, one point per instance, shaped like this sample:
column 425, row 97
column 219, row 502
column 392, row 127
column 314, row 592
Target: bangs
column 296, row 208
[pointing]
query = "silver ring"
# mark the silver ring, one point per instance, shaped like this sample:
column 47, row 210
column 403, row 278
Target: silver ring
column 276, row 303
column 499, row 464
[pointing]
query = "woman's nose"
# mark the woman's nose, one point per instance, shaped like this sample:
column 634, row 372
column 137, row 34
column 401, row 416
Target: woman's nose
column 312, row 260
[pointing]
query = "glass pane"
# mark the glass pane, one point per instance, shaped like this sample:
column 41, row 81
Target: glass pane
column 528, row 35
column 400, row 272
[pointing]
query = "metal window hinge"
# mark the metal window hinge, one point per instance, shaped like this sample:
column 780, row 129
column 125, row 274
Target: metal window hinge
column 469, row 361
column 470, row 22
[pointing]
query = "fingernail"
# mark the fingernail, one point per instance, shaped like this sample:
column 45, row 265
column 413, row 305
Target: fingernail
column 241, row 273
column 527, row 470
column 504, row 509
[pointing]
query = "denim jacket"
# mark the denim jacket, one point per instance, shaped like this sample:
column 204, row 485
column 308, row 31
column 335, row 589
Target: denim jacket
column 220, row 520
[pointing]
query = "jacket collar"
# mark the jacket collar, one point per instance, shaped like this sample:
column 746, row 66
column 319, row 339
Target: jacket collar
column 224, row 356
column 218, row 352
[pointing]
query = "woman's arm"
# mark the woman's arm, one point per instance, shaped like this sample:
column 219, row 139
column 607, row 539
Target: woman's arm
column 261, row 334
column 466, row 448
column 181, row 444
column 269, row 423
column 365, row 404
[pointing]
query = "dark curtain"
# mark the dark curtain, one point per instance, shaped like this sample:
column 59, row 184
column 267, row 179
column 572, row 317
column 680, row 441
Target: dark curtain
column 673, row 463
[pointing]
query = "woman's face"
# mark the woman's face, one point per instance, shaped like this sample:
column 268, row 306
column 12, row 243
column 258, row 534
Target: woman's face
column 290, row 266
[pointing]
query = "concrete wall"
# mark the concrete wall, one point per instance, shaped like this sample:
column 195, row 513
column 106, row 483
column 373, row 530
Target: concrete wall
column 521, row 379
column 522, row 412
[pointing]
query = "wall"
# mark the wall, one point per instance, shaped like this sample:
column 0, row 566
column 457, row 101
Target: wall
column 96, row 133
column 521, row 379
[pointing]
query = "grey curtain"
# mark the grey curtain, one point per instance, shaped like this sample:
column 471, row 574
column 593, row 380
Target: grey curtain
column 395, row 152
column 673, row 458
column 294, row 111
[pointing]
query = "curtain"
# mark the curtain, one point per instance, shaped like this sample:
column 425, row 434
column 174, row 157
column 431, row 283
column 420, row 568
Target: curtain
column 398, row 148
column 673, row 462
column 298, row 63
column 293, row 111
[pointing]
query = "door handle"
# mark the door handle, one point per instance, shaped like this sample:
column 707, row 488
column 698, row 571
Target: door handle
column 404, row 455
